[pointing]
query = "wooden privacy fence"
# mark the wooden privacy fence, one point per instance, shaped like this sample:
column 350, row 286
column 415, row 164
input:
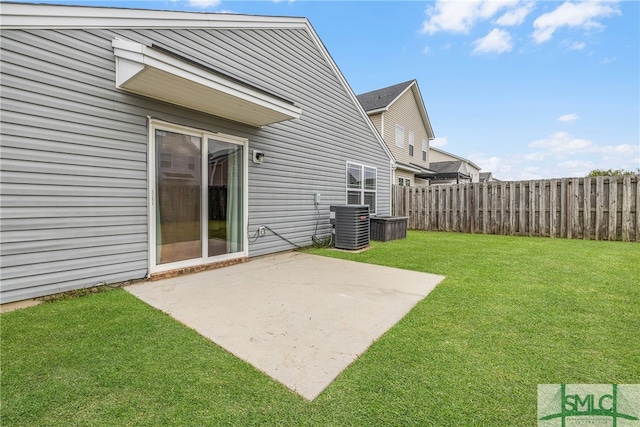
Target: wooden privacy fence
column 600, row 208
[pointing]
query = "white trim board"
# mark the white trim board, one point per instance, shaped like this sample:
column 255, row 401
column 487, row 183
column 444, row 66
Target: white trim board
column 40, row 16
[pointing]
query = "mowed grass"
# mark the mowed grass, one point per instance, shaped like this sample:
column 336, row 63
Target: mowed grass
column 512, row 313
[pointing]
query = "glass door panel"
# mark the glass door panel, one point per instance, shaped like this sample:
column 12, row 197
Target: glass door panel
column 225, row 208
column 178, row 194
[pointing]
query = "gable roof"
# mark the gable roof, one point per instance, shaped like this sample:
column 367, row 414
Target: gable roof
column 446, row 153
column 448, row 167
column 382, row 98
column 378, row 101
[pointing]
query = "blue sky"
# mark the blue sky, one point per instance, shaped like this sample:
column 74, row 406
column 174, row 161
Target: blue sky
column 525, row 89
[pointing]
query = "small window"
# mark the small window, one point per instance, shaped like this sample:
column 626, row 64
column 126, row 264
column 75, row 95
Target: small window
column 401, row 181
column 362, row 185
column 407, row 182
column 369, row 178
column 399, row 136
column 191, row 163
column 165, row 160
column 411, row 144
column 353, row 198
column 354, row 176
column 425, row 147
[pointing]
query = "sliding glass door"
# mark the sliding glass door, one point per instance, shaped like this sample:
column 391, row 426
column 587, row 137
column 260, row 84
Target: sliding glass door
column 224, row 197
column 198, row 197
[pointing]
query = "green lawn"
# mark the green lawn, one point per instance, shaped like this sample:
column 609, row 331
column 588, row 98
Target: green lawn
column 513, row 312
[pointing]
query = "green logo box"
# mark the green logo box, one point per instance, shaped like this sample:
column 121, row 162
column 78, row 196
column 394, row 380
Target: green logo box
column 593, row 405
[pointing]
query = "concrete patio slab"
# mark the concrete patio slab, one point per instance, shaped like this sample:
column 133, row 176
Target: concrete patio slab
column 299, row 318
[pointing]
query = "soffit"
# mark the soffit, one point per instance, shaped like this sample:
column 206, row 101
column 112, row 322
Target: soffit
column 157, row 74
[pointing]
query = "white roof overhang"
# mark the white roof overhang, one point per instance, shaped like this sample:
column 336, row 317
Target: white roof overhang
column 157, row 74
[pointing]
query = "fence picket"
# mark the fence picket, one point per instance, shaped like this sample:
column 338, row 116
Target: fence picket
column 574, row 213
column 627, row 199
column 613, row 209
column 586, row 215
column 553, row 208
column 600, row 218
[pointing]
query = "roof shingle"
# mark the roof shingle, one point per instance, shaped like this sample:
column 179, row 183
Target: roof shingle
column 381, row 98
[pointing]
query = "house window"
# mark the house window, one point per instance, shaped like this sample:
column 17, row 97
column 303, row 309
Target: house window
column 399, row 136
column 407, row 182
column 425, row 146
column 191, row 163
column 165, row 160
column 401, row 181
column 362, row 185
column 411, row 144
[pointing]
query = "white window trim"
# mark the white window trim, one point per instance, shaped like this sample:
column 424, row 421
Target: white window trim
column 425, row 149
column 399, row 133
column 411, row 144
column 362, row 190
column 151, row 197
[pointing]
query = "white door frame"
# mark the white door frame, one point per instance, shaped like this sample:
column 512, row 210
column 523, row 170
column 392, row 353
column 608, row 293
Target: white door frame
column 152, row 199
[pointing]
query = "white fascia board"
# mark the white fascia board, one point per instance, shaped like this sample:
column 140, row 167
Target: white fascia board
column 407, row 168
column 423, row 111
column 136, row 57
column 379, row 110
column 421, row 108
column 43, row 16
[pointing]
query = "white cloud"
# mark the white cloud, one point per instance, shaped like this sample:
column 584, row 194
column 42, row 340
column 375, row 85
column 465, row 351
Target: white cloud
column 582, row 14
column 577, row 164
column 577, row 46
column 515, row 16
column 535, row 157
column 497, row 41
column 426, row 49
column 502, row 168
column 608, row 60
column 557, row 156
column 460, row 16
column 562, row 143
column 438, row 142
column 568, row 118
column 203, row 4
column 572, row 45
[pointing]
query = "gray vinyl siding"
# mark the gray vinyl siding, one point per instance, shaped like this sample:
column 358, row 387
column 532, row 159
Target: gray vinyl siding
column 74, row 150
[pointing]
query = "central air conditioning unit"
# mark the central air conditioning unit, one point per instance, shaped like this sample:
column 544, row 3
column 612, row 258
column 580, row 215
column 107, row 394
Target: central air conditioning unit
column 351, row 226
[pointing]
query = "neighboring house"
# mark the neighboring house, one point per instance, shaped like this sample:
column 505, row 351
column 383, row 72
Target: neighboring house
column 487, row 177
column 399, row 114
column 137, row 143
column 452, row 169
